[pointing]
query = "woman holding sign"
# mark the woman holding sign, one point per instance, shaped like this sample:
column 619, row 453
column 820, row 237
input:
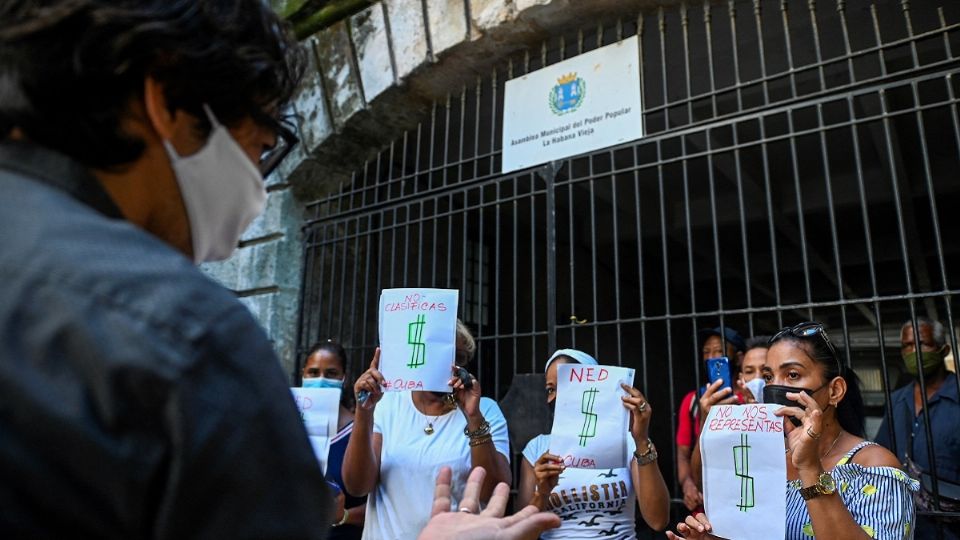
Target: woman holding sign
column 326, row 367
column 401, row 440
column 838, row 484
column 595, row 502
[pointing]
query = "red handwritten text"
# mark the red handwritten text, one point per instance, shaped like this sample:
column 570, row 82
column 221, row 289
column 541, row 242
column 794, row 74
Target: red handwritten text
column 400, row 384
column 415, row 302
column 589, row 374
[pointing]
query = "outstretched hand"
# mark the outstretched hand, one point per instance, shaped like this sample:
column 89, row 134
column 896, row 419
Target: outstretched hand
column 693, row 528
column 471, row 524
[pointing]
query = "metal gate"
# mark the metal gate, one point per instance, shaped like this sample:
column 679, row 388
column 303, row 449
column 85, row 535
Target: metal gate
column 801, row 163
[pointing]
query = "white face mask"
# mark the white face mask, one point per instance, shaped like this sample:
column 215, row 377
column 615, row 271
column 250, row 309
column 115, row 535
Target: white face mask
column 222, row 191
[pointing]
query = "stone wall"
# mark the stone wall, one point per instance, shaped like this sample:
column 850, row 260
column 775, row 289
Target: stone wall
column 370, row 77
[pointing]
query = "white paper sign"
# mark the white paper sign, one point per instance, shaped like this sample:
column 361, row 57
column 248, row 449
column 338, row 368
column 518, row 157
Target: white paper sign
column 418, row 331
column 590, row 421
column 744, row 471
column 588, row 102
column 319, row 408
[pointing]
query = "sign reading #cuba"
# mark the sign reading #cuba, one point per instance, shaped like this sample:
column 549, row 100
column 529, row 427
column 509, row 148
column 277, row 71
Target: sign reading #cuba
column 588, row 102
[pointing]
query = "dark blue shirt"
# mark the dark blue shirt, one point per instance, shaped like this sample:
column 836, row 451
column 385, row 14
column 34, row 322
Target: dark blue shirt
column 944, row 408
column 338, row 448
column 138, row 399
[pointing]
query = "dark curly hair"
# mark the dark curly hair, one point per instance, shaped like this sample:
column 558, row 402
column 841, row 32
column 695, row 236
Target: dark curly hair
column 69, row 69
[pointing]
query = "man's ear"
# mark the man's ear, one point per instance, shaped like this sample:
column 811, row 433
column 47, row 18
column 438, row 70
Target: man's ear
column 155, row 103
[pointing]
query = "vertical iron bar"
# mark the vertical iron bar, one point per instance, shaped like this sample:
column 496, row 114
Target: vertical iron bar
column 834, row 238
column 690, row 271
column 879, row 39
column 743, row 227
column 758, row 21
column 801, row 223
column 685, row 27
column 668, row 335
column 812, row 10
column 785, row 18
column 616, row 265
column 355, row 287
column 640, row 280
column 708, row 28
column 304, row 305
column 593, row 260
column 496, row 295
column 732, row 11
column 343, row 281
column 662, row 22
column 715, row 226
column 571, row 226
column 771, row 226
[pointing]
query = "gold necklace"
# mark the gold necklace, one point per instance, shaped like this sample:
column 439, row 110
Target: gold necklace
column 832, row 445
column 446, row 409
column 429, row 429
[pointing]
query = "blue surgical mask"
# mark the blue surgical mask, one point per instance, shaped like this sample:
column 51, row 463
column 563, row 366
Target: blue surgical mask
column 322, row 382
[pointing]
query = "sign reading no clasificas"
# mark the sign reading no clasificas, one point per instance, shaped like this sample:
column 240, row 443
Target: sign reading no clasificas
column 588, row 102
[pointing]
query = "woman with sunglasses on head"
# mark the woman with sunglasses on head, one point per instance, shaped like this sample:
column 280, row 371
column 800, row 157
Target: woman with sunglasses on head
column 839, row 486
column 611, row 497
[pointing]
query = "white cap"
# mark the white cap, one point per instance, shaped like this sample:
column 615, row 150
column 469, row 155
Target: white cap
column 579, row 357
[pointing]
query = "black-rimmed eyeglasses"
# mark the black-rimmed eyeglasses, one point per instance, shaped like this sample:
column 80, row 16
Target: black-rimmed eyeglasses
column 286, row 140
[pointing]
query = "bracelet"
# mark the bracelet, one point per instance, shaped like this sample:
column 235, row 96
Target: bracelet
column 647, row 457
column 346, row 515
column 477, row 441
column 484, row 429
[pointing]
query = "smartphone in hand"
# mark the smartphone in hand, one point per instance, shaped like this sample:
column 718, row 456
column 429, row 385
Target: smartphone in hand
column 719, row 368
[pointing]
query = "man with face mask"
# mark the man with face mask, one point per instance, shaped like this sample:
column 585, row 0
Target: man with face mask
column 925, row 351
column 139, row 398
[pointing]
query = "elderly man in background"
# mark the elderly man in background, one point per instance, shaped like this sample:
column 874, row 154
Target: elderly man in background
column 925, row 351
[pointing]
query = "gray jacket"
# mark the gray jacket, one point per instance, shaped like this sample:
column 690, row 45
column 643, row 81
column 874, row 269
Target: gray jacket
column 138, row 399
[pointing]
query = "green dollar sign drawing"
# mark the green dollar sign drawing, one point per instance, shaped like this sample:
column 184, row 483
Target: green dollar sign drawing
column 741, row 467
column 418, row 356
column 587, row 400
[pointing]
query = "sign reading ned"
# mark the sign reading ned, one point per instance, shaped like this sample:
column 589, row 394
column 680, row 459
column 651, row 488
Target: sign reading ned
column 588, row 102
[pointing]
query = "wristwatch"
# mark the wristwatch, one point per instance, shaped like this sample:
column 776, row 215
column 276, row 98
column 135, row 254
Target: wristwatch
column 647, row 457
column 824, row 486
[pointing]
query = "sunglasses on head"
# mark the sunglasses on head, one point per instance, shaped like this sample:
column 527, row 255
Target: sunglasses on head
column 808, row 330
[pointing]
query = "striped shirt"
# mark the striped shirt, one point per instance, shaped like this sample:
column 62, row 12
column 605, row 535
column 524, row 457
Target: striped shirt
column 879, row 499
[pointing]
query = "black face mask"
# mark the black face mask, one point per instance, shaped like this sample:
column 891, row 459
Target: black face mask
column 777, row 393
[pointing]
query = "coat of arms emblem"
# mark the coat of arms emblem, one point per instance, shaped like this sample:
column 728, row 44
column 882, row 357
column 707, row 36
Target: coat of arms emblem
column 567, row 95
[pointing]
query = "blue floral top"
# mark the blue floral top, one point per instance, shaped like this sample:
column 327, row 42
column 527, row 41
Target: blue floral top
column 879, row 499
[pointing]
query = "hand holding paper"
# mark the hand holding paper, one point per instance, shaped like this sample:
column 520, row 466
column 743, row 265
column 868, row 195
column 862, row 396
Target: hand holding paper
column 369, row 386
column 640, row 413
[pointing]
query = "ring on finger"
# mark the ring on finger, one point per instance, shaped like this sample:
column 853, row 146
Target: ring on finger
column 466, row 510
column 642, row 406
column 813, row 435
